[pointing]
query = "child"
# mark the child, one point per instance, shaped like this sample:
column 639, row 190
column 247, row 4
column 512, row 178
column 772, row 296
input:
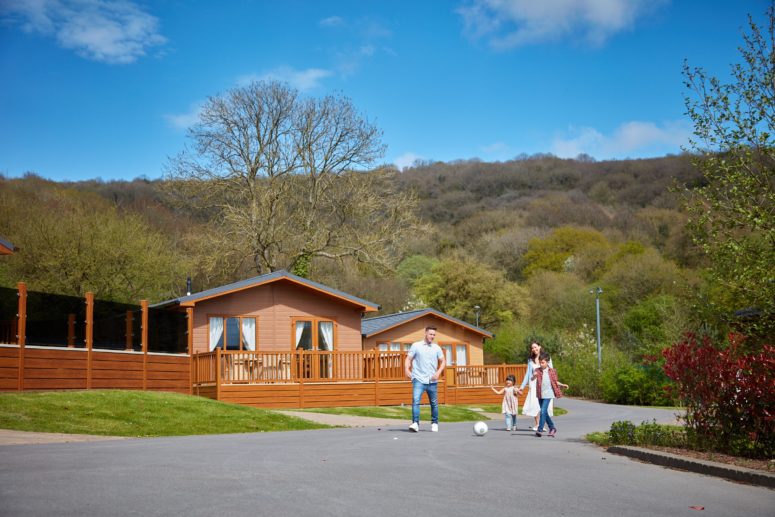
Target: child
column 547, row 389
column 509, row 405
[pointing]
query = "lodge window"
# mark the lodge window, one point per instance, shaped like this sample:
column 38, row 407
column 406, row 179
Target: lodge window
column 314, row 334
column 455, row 355
column 232, row 333
column 394, row 346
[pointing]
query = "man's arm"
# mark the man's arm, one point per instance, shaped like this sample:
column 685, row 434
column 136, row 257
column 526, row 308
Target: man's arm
column 442, row 365
column 408, row 365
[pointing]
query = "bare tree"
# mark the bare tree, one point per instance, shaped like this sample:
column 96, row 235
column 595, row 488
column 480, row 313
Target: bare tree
column 282, row 179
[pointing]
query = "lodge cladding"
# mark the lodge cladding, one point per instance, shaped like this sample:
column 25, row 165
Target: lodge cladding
column 275, row 340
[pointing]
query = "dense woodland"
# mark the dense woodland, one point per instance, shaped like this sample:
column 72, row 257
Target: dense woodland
column 525, row 240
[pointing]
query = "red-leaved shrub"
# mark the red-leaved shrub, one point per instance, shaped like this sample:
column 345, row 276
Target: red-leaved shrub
column 729, row 395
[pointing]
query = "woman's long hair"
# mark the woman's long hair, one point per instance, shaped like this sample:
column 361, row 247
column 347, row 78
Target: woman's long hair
column 534, row 357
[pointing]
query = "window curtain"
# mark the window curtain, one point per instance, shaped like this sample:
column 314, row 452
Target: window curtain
column 448, row 354
column 462, row 360
column 216, row 333
column 326, row 329
column 249, row 333
column 299, row 332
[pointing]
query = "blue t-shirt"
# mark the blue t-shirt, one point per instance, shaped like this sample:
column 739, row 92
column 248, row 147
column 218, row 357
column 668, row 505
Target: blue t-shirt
column 425, row 360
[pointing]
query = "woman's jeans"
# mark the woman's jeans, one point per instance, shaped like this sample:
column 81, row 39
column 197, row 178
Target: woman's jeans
column 432, row 390
column 511, row 421
column 545, row 415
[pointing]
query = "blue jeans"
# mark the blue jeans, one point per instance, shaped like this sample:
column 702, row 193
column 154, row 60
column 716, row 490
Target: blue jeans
column 511, row 421
column 545, row 414
column 432, row 390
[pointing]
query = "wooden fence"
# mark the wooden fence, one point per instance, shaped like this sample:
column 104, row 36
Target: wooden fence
column 56, row 368
column 24, row 367
column 324, row 379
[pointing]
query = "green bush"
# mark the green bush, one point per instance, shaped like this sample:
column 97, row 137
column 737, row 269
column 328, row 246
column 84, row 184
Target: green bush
column 635, row 384
column 625, row 432
column 622, row 433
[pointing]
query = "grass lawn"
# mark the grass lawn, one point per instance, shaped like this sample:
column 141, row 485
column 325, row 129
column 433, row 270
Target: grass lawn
column 447, row 413
column 136, row 413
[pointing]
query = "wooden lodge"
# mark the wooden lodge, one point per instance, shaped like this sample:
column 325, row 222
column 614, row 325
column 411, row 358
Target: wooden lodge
column 275, row 340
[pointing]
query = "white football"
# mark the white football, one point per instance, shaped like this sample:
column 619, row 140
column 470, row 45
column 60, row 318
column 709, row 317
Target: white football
column 480, row 428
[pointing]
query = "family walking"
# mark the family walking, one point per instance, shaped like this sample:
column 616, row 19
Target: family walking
column 544, row 387
column 425, row 363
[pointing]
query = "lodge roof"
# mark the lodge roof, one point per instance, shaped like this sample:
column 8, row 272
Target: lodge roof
column 193, row 299
column 6, row 248
column 378, row 324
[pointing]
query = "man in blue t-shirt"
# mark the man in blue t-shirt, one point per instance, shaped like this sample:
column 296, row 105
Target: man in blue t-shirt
column 424, row 365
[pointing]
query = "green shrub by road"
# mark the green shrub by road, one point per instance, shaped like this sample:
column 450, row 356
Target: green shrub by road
column 136, row 413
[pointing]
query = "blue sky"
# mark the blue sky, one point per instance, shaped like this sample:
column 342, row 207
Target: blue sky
column 106, row 89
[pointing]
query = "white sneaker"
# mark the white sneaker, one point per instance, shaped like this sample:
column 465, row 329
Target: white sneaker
column 434, row 428
column 414, row 427
column 534, row 428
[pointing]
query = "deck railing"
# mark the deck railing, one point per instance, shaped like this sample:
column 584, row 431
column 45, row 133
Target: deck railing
column 249, row 367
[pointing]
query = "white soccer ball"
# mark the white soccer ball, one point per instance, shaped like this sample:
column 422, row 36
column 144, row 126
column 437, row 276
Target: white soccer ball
column 480, row 428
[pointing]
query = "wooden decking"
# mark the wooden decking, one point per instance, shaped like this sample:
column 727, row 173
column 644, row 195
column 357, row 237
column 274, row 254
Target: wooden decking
column 324, row 379
column 259, row 379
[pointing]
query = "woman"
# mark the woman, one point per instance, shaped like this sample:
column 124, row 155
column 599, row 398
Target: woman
column 531, row 407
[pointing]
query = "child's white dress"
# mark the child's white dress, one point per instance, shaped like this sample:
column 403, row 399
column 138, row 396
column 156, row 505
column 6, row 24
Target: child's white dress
column 531, row 406
column 510, row 404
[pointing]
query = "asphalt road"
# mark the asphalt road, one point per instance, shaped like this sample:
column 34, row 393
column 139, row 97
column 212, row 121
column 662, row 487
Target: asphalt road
column 367, row 471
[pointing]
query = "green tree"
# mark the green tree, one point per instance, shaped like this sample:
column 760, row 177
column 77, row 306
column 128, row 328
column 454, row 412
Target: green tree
column 557, row 251
column 414, row 267
column 558, row 301
column 72, row 242
column 636, row 277
column 456, row 285
column 732, row 213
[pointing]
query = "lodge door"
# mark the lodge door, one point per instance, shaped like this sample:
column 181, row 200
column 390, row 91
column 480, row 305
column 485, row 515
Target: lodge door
column 317, row 338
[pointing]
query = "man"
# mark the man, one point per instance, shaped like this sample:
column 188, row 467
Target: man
column 424, row 365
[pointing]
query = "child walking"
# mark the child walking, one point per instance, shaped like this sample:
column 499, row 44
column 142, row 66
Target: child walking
column 509, row 406
column 547, row 389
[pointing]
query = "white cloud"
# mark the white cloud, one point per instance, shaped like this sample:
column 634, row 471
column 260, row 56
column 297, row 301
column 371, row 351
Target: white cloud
column 406, row 160
column 629, row 140
column 185, row 120
column 513, row 23
column 332, row 21
column 110, row 31
column 304, row 80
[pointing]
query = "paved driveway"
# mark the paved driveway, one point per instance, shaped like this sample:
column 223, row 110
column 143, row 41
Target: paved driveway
column 367, row 471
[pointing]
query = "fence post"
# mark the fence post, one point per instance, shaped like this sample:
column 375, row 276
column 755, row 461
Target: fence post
column 89, row 335
column 300, row 373
column 376, row 355
column 190, row 340
column 217, row 374
column 22, row 329
column 144, row 340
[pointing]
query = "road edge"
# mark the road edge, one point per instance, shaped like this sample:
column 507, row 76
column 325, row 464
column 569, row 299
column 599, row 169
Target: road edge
column 666, row 459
